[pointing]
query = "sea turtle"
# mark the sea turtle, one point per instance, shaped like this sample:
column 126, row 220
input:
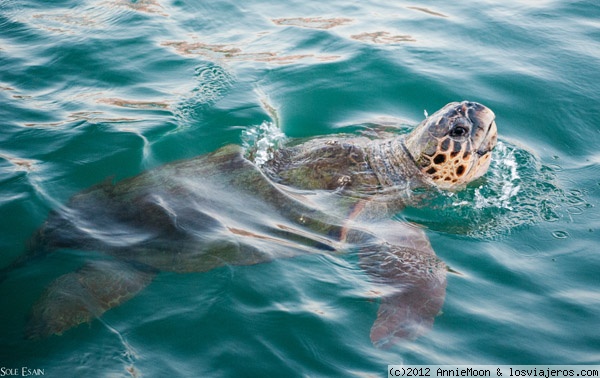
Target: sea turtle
column 327, row 195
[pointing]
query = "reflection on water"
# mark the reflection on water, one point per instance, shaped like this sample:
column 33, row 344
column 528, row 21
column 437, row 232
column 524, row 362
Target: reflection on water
column 231, row 53
column 147, row 6
column 314, row 23
column 428, row 11
column 133, row 103
column 382, row 37
column 64, row 23
column 20, row 164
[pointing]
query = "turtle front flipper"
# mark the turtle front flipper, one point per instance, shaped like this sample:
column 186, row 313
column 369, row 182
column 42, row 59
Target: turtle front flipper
column 81, row 296
column 415, row 287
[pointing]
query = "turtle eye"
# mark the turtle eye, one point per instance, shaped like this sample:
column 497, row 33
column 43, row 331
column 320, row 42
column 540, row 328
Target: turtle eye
column 458, row 131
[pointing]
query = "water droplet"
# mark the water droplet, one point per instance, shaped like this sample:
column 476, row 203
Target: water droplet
column 560, row 234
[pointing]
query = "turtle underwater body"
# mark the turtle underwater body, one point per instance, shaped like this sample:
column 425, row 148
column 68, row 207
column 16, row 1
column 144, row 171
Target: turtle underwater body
column 175, row 218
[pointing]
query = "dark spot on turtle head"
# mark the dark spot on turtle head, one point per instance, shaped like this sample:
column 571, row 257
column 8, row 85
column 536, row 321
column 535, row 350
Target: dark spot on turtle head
column 431, row 170
column 445, row 144
column 448, row 179
column 460, row 170
column 439, row 159
column 466, row 155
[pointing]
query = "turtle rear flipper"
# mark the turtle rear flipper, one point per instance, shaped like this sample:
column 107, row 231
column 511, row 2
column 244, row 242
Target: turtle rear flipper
column 80, row 296
column 418, row 288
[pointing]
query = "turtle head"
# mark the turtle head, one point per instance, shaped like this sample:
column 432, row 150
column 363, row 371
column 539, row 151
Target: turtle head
column 453, row 146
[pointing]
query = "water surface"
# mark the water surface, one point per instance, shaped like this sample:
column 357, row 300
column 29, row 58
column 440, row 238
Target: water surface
column 99, row 89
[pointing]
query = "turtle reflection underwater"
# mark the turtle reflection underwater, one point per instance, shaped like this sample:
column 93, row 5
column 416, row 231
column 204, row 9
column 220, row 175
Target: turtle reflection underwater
column 327, row 195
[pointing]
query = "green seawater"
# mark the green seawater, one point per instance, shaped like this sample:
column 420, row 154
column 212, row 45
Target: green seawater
column 104, row 89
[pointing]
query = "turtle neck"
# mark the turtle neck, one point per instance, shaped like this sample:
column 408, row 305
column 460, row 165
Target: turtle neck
column 393, row 164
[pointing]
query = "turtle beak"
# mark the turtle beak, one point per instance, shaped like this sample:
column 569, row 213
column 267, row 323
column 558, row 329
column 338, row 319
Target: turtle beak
column 484, row 137
column 484, row 128
column 489, row 140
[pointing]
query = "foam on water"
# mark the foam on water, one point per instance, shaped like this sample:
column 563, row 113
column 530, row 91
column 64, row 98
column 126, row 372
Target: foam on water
column 260, row 141
column 505, row 177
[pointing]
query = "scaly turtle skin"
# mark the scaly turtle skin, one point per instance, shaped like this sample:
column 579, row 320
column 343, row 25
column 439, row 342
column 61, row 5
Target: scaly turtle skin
column 199, row 214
